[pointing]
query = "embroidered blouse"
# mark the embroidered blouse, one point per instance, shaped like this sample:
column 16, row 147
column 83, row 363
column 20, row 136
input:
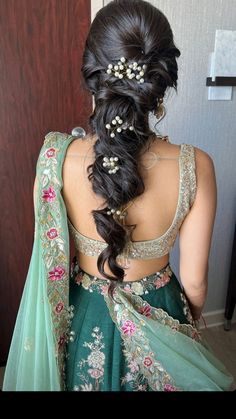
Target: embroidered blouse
column 160, row 246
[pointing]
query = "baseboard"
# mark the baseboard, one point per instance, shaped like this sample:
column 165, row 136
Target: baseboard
column 215, row 318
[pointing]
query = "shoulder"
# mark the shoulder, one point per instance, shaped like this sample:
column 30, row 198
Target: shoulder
column 205, row 177
column 76, row 148
column 55, row 135
column 80, row 148
column 56, row 142
column 79, row 155
column 53, row 149
column 164, row 148
column 53, row 143
column 204, row 162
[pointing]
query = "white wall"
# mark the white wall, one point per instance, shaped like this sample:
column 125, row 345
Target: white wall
column 209, row 125
column 95, row 6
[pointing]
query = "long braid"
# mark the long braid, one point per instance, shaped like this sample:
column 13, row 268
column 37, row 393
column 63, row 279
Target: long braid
column 128, row 63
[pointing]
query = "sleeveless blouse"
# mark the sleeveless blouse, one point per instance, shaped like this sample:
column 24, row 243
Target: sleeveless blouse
column 160, row 246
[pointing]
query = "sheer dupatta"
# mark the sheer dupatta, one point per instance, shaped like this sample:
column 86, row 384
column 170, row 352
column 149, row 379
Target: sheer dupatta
column 36, row 357
column 170, row 355
column 159, row 345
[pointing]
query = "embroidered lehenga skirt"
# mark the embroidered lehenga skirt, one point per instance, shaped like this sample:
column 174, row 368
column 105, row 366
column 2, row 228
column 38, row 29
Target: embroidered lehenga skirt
column 143, row 340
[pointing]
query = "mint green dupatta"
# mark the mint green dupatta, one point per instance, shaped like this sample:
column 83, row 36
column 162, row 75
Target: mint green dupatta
column 36, row 357
column 170, row 355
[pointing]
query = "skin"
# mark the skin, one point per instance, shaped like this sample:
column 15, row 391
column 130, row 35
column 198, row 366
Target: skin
column 153, row 212
column 196, row 234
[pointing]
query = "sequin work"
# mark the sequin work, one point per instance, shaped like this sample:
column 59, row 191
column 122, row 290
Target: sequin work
column 140, row 287
column 150, row 249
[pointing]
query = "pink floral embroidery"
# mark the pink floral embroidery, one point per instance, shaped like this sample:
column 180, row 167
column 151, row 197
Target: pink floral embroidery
column 175, row 328
column 147, row 361
column 165, row 278
column 59, row 308
column 79, row 278
column 51, row 152
column 49, row 194
column 145, row 310
column 195, row 335
column 56, row 274
column 61, row 341
column 161, row 282
column 142, row 387
column 169, row 387
column 96, row 373
column 133, row 366
column 52, row 233
column 128, row 327
column 104, row 289
column 127, row 289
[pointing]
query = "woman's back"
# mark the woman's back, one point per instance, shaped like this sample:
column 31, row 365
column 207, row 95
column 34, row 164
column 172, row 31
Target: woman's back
column 153, row 212
column 79, row 326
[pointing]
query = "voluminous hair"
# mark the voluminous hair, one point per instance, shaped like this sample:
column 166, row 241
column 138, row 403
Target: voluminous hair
column 141, row 33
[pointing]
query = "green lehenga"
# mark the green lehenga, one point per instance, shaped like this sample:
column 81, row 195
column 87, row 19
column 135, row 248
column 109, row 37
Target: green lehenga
column 144, row 340
column 72, row 336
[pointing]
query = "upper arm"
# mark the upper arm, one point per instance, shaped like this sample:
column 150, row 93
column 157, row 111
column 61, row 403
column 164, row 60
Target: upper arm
column 196, row 230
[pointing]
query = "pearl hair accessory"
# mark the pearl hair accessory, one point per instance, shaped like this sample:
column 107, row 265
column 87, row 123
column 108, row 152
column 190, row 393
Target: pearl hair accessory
column 124, row 70
column 117, row 125
column 110, row 162
column 121, row 214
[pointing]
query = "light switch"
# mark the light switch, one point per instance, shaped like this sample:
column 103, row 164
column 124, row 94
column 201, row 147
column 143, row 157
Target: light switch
column 222, row 63
column 220, row 93
column 225, row 54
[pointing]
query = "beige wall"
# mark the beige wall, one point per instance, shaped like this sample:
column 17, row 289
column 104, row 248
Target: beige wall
column 209, row 125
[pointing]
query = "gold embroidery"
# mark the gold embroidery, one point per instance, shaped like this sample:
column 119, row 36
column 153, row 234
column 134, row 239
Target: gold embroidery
column 150, row 249
column 55, row 245
column 140, row 287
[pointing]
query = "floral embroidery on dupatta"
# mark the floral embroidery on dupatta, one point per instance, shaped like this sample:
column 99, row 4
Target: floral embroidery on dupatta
column 95, row 361
column 144, row 367
column 54, row 243
column 186, row 310
column 141, row 361
column 134, row 377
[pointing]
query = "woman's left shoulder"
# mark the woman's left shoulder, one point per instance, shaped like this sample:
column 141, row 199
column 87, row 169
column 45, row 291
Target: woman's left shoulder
column 56, row 137
column 202, row 155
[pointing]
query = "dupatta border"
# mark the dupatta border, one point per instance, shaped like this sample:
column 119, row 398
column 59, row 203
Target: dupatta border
column 54, row 237
column 130, row 313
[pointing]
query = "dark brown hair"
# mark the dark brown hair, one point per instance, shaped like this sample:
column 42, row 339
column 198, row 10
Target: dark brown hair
column 138, row 31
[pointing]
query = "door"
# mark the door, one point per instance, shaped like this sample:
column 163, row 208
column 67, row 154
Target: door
column 41, row 90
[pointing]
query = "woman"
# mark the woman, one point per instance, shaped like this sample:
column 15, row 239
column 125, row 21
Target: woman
column 119, row 320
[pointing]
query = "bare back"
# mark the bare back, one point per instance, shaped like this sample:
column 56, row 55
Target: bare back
column 153, row 211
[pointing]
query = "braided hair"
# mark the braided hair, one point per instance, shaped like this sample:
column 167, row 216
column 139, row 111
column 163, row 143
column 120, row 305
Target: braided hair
column 125, row 35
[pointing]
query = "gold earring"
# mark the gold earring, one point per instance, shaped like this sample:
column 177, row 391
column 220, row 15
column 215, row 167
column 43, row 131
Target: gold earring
column 161, row 110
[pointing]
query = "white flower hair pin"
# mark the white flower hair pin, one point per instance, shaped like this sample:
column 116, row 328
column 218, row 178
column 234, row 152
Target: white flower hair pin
column 131, row 71
column 119, row 213
column 111, row 163
column 117, row 125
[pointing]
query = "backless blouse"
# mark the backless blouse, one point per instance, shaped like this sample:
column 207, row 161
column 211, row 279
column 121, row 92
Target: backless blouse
column 160, row 246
